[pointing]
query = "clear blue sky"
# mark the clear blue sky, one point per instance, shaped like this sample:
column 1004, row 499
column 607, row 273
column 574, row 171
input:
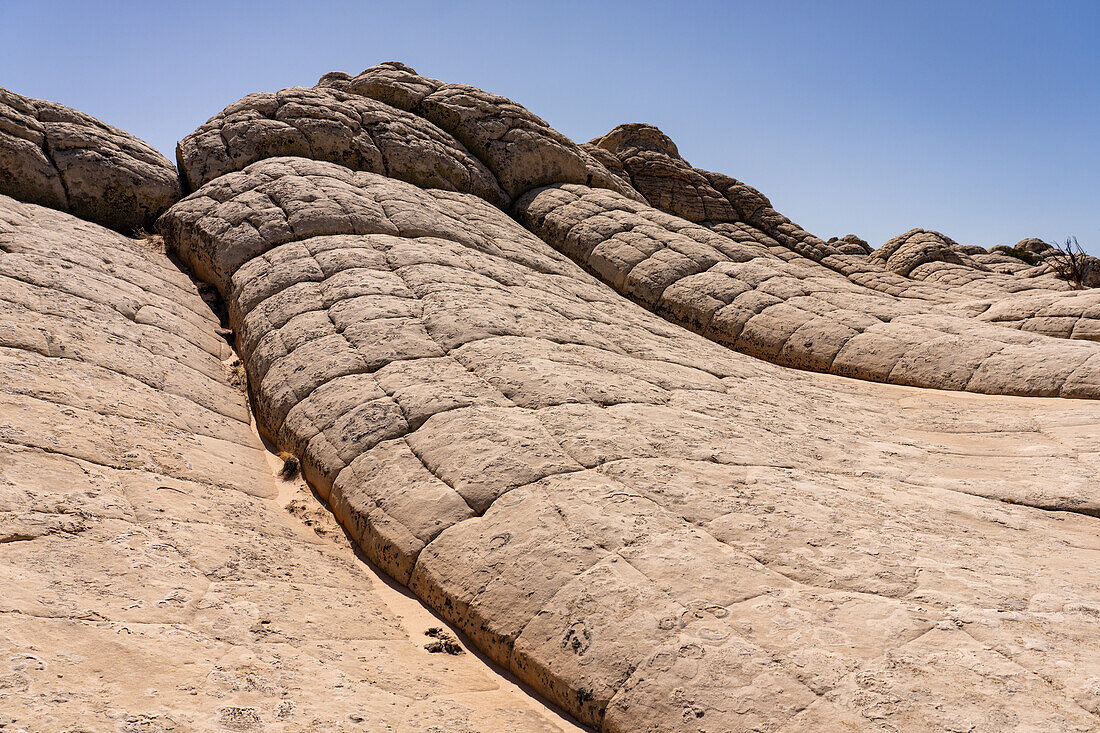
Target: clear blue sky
column 979, row 119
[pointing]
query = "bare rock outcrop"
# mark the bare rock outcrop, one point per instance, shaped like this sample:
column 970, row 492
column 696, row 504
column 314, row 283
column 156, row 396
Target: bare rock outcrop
column 57, row 157
column 521, row 149
column 357, row 132
column 668, row 182
column 391, row 82
column 906, row 252
column 523, row 375
column 936, row 279
column 1044, row 258
column 1034, row 245
column 850, row 244
column 616, row 508
column 733, row 289
column 949, row 273
column 150, row 580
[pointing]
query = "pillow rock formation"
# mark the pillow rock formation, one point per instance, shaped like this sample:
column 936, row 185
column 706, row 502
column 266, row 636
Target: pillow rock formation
column 662, row 457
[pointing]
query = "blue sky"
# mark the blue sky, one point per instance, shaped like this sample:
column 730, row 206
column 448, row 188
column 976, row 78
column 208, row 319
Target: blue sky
column 979, row 119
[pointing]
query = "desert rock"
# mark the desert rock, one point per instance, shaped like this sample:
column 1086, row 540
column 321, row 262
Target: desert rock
column 671, row 460
column 357, row 132
column 733, row 289
column 906, row 252
column 609, row 491
column 151, row 579
column 57, row 157
column 520, row 148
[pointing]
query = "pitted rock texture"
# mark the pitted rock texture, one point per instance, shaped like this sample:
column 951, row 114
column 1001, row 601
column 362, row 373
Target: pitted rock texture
column 508, row 415
column 654, row 531
column 850, row 244
column 906, row 252
column 391, row 82
column 922, row 266
column 521, row 149
column 1033, row 245
column 656, row 170
column 732, row 288
column 150, row 581
column 357, row 132
column 670, row 183
column 57, row 157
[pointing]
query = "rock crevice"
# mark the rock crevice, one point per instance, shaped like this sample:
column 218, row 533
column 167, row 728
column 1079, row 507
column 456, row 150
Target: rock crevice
column 589, row 403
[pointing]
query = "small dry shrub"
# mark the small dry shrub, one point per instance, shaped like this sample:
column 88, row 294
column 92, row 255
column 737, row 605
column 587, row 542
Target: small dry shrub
column 150, row 241
column 290, row 466
column 1071, row 264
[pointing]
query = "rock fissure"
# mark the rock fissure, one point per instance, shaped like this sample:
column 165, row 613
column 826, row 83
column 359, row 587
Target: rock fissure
column 566, row 394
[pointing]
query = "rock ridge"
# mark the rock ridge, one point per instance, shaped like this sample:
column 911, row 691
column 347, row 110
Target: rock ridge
column 499, row 430
column 57, row 157
column 590, row 404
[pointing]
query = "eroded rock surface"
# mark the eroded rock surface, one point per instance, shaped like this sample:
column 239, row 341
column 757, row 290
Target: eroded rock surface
column 652, row 530
column 150, row 580
column 731, row 287
column 936, row 275
column 906, row 252
column 357, row 132
column 504, row 360
column 57, row 157
column 521, row 149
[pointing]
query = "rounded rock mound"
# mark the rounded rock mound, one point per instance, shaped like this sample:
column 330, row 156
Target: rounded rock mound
column 906, row 252
column 55, row 156
column 656, row 170
column 354, row 131
column 520, row 148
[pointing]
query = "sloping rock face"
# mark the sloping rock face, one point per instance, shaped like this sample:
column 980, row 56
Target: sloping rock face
column 521, row 149
column 150, row 581
column 654, row 531
column 925, row 271
column 1039, row 258
column 357, row 132
column 57, row 157
column 850, row 244
column 906, row 252
column 522, row 373
column 733, row 289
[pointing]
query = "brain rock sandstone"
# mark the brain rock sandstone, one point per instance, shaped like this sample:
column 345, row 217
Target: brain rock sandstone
column 590, row 404
column 55, row 156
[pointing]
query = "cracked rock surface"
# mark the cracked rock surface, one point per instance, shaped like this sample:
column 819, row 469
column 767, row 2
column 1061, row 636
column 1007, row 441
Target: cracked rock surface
column 150, row 580
column 64, row 159
column 731, row 287
column 927, row 271
column 521, row 149
column 654, row 531
column 589, row 403
column 357, row 132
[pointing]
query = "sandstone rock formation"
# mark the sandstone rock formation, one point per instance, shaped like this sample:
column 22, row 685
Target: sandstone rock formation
column 731, row 288
column 512, row 366
column 1034, row 251
column 461, row 395
column 906, row 252
column 920, row 265
column 151, row 581
column 1034, row 245
column 357, row 132
column 521, row 149
column 850, row 244
column 58, row 157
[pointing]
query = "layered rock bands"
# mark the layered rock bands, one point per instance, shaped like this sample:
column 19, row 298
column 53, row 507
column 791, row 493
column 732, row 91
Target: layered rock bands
column 592, row 405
